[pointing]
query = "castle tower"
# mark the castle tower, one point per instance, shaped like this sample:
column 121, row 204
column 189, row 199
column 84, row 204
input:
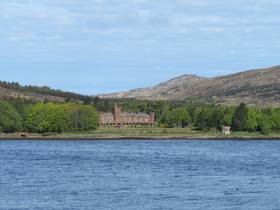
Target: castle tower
column 117, row 115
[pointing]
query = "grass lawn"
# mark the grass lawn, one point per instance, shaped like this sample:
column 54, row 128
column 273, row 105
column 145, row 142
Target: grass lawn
column 144, row 133
column 166, row 132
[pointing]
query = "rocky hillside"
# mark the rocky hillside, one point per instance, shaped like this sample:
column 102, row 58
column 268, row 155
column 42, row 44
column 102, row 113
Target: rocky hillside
column 261, row 86
column 170, row 90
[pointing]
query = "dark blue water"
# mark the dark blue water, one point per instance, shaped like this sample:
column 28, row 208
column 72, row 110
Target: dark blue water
column 140, row 175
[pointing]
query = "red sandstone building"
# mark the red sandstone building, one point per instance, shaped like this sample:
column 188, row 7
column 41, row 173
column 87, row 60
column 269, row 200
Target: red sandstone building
column 117, row 118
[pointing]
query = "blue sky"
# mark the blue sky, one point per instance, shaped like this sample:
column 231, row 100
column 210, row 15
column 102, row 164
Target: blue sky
column 100, row 46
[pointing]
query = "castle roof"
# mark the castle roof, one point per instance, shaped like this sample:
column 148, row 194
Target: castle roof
column 107, row 114
column 133, row 114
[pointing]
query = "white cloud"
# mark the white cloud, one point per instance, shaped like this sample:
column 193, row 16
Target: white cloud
column 150, row 25
column 62, row 16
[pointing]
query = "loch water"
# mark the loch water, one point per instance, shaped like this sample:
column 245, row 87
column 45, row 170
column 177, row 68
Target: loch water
column 140, row 175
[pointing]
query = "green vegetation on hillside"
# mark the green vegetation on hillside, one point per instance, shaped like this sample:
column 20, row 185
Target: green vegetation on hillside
column 45, row 90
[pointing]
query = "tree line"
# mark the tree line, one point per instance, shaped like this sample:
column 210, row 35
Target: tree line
column 201, row 116
column 214, row 117
column 21, row 115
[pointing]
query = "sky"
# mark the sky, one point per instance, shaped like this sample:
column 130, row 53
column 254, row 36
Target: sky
column 101, row 46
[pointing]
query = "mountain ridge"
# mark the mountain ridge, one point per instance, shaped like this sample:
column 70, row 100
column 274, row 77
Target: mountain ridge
column 256, row 86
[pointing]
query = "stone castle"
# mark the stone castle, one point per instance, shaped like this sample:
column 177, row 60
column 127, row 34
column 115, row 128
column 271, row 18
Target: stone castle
column 119, row 119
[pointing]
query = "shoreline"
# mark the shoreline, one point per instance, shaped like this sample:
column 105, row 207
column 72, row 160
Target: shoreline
column 140, row 134
column 139, row 138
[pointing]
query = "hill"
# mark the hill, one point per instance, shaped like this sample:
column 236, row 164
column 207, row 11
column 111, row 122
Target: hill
column 13, row 90
column 260, row 86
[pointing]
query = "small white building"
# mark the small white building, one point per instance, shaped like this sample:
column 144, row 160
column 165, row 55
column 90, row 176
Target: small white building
column 226, row 130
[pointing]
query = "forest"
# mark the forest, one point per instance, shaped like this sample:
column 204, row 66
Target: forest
column 18, row 115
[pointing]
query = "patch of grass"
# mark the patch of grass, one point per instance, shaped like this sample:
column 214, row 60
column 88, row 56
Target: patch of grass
column 166, row 132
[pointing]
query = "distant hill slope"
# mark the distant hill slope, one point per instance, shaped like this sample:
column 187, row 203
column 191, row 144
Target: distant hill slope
column 12, row 90
column 261, row 86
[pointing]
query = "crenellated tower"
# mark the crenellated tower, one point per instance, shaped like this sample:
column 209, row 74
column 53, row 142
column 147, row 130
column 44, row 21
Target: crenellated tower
column 117, row 115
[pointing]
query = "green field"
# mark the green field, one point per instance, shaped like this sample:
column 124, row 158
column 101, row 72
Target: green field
column 143, row 133
column 165, row 133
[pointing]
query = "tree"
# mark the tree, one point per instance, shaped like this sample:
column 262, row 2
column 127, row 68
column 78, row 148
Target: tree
column 228, row 116
column 22, row 106
column 216, row 117
column 81, row 117
column 251, row 123
column 202, row 119
column 191, row 109
column 164, row 114
column 45, row 118
column 10, row 120
column 265, row 124
column 240, row 118
column 275, row 120
column 179, row 117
